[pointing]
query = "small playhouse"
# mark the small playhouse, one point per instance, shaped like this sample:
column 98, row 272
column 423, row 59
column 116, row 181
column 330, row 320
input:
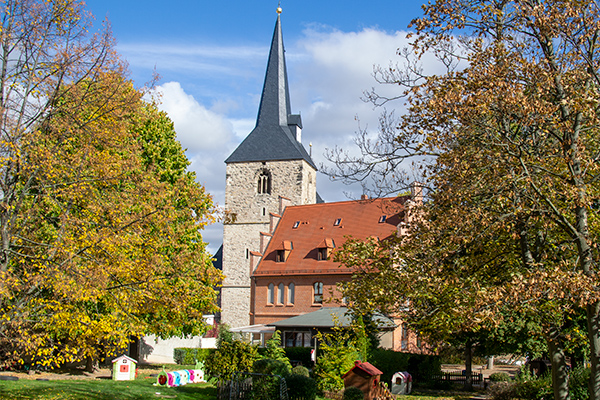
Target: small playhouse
column 401, row 383
column 124, row 368
column 364, row 376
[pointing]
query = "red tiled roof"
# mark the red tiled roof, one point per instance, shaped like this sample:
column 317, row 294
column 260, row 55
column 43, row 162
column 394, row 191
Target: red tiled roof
column 316, row 227
column 366, row 367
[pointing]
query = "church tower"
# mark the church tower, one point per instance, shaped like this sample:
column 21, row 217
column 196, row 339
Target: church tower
column 269, row 164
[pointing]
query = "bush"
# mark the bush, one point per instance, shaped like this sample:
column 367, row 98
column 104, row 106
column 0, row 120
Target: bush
column 271, row 367
column 499, row 377
column 301, row 387
column 189, row 356
column 299, row 354
column 420, row 366
column 502, row 391
column 235, row 356
column 578, row 384
column 353, row 393
column 535, row 389
column 300, row 370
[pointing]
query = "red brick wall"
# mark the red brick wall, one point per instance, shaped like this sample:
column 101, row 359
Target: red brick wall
column 264, row 313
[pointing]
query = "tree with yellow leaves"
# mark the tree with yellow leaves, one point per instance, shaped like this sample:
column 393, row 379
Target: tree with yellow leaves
column 100, row 220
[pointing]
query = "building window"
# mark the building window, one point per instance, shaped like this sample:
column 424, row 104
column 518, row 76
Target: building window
column 318, row 289
column 382, row 219
column 297, row 339
column 291, row 293
column 264, row 182
column 271, row 294
column 280, row 297
column 296, row 224
column 337, row 222
column 322, row 254
column 280, row 256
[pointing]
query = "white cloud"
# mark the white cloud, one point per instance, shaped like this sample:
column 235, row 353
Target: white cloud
column 198, row 129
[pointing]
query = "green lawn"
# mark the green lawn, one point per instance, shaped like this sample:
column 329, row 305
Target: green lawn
column 102, row 389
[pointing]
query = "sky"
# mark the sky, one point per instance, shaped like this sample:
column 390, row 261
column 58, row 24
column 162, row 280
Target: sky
column 211, row 58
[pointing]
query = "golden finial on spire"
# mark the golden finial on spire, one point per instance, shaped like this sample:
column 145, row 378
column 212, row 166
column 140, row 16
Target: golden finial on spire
column 279, row 7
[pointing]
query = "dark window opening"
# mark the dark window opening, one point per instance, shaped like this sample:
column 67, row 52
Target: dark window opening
column 264, row 182
column 280, row 256
column 322, row 254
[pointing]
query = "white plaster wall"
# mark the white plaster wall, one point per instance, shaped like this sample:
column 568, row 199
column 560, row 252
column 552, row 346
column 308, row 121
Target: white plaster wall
column 154, row 350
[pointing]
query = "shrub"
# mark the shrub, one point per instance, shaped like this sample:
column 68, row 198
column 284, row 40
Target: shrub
column 301, row 387
column 502, row 391
column 578, row 384
column 235, row 356
column 189, row 356
column 535, row 389
column 273, row 350
column 299, row 354
column 499, row 377
column 389, row 362
column 353, row 393
column 271, row 367
column 300, row 370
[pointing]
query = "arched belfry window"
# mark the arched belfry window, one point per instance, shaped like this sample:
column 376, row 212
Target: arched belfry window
column 264, row 182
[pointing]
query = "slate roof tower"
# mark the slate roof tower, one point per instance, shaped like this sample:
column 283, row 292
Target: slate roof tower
column 271, row 166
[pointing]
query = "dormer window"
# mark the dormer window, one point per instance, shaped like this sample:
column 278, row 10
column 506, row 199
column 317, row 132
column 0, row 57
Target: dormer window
column 264, row 182
column 324, row 249
column 296, row 224
column 382, row 219
column 283, row 252
column 322, row 254
column 337, row 222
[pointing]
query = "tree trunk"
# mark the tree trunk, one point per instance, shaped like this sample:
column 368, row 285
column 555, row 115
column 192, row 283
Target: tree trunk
column 593, row 325
column 469, row 366
column 91, row 364
column 560, row 373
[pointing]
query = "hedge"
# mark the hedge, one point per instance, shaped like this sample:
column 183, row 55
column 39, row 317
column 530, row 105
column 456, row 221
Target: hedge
column 420, row 366
column 189, row 355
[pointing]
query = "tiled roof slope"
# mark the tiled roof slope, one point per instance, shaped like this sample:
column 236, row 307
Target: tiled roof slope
column 272, row 139
column 369, row 368
column 316, row 224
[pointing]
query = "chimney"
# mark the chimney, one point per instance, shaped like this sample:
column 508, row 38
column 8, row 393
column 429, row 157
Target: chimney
column 273, row 222
column 254, row 260
column 416, row 192
column 265, row 238
column 283, row 203
column 364, row 197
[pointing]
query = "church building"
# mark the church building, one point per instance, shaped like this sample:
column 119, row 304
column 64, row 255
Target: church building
column 278, row 236
column 269, row 164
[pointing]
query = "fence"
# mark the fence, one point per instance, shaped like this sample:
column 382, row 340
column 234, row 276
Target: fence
column 457, row 377
column 250, row 386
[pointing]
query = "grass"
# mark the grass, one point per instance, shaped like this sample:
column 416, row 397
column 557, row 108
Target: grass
column 104, row 389
column 101, row 390
column 140, row 389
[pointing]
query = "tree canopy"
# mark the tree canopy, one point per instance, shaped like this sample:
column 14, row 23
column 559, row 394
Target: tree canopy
column 506, row 140
column 100, row 220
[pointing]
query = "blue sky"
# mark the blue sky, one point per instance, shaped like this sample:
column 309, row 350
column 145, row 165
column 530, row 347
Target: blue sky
column 211, row 57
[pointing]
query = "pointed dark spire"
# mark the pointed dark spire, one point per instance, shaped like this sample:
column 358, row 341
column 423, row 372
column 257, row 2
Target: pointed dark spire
column 274, row 137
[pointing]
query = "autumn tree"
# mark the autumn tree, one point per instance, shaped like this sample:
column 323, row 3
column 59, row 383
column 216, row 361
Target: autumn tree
column 99, row 217
column 508, row 140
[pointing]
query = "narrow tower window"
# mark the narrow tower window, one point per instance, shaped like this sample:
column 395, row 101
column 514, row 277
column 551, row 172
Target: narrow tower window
column 264, row 182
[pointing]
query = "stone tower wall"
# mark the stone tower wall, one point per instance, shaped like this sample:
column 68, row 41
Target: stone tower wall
column 248, row 215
